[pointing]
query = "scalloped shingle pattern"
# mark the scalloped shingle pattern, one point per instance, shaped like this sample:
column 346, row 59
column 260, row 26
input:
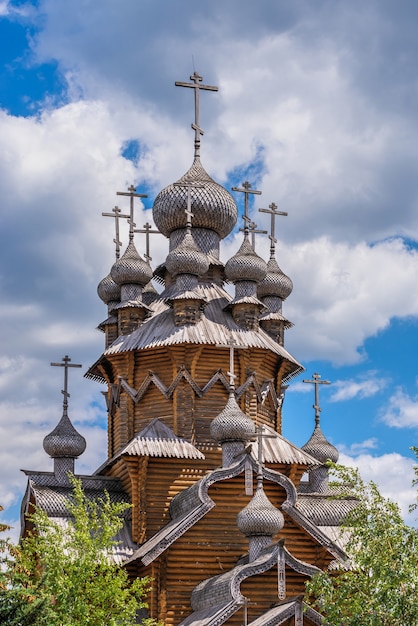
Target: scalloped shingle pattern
column 275, row 283
column 245, row 265
column 131, row 268
column 64, row 441
column 212, row 205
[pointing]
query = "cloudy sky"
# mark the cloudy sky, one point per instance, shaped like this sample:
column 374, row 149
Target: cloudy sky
column 317, row 107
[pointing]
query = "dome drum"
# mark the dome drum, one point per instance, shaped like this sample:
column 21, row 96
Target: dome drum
column 274, row 328
column 130, row 318
column 130, row 292
column 273, row 303
column 246, row 315
column 187, row 310
column 319, row 479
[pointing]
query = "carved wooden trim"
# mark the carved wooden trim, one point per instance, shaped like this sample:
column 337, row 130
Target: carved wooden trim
column 262, row 391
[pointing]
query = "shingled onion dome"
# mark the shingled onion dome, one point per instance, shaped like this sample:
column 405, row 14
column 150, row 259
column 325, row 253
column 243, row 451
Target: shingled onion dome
column 272, row 291
column 275, row 283
column 321, row 449
column 246, row 269
column 109, row 293
column 187, row 259
column 232, row 429
column 260, row 520
column 214, row 210
column 131, row 273
column 186, row 263
column 64, row 444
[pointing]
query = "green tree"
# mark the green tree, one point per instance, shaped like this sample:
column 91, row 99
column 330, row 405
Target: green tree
column 63, row 575
column 378, row 586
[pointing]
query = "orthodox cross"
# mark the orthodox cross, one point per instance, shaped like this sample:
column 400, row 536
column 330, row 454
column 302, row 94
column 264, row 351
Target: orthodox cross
column 132, row 194
column 246, row 190
column 148, row 231
column 253, row 230
column 65, row 364
column 197, row 86
column 188, row 209
column 116, row 214
column 231, row 344
column 274, row 213
column 260, row 435
column 316, row 381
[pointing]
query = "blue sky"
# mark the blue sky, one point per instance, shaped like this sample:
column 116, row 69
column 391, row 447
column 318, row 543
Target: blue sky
column 316, row 107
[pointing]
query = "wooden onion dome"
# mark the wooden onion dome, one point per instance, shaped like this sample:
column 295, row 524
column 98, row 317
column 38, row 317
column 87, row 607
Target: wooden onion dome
column 232, row 429
column 109, row 293
column 246, row 269
column 131, row 273
column 214, row 210
column 272, row 291
column 259, row 521
column 318, row 445
column 186, row 263
column 64, row 444
column 321, row 449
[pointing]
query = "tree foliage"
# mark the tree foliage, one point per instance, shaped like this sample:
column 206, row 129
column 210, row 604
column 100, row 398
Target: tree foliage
column 62, row 574
column 379, row 584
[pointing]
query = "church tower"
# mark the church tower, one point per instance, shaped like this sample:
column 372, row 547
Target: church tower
column 195, row 382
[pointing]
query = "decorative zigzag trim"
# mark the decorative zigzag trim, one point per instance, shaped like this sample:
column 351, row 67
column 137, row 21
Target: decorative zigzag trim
column 262, row 392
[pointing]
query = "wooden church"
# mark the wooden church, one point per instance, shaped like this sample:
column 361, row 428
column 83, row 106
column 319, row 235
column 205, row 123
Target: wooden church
column 223, row 517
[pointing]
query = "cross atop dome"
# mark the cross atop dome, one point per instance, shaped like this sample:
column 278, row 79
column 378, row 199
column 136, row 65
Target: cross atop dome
column 246, row 190
column 253, row 230
column 197, row 86
column 65, row 364
column 116, row 214
column 148, row 230
column 272, row 210
column 131, row 193
column 316, row 382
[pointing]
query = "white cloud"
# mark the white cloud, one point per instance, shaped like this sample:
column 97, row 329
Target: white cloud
column 358, row 448
column 401, row 410
column 393, row 473
column 369, row 386
column 340, row 294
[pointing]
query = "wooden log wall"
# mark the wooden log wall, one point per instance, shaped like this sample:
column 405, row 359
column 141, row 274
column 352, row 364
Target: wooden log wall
column 214, row 545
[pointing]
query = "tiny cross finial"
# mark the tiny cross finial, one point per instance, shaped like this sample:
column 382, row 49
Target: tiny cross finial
column 116, row 214
column 317, row 381
column 252, row 229
column 65, row 364
column 132, row 194
column 272, row 210
column 148, row 231
column 246, row 190
column 232, row 376
column 197, row 86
